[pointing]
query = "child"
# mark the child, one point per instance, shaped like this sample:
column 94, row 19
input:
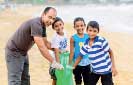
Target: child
column 100, row 55
column 59, row 43
column 76, row 42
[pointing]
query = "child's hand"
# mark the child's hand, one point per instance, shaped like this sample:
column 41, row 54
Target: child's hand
column 114, row 71
column 70, row 67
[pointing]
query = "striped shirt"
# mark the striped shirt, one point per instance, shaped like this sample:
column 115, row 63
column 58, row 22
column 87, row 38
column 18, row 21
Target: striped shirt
column 98, row 55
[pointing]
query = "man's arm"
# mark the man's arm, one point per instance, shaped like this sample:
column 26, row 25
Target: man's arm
column 44, row 51
column 42, row 47
column 47, row 43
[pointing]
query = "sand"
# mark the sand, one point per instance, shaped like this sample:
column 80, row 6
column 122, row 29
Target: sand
column 121, row 44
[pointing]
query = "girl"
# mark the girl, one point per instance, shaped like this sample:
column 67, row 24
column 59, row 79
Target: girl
column 76, row 42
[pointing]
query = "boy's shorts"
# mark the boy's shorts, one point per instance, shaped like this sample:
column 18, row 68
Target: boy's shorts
column 52, row 73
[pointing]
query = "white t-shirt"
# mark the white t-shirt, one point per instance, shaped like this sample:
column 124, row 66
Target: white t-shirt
column 59, row 42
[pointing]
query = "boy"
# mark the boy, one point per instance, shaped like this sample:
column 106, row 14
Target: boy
column 59, row 44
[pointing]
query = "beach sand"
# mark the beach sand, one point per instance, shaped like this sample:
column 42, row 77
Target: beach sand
column 121, row 44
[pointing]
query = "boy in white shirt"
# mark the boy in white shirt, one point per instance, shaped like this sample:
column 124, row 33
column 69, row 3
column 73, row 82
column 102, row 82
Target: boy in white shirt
column 59, row 44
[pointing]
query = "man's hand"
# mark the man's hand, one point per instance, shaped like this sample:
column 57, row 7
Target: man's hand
column 57, row 65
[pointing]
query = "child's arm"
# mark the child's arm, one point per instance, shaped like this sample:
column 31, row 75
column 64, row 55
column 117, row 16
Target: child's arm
column 55, row 47
column 81, row 54
column 71, row 50
column 56, row 51
column 114, row 71
column 77, row 61
column 106, row 48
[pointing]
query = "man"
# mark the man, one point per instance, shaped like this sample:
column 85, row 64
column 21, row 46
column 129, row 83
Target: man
column 30, row 32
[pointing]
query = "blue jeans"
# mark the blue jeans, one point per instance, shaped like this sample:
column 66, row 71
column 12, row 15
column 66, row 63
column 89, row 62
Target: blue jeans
column 18, row 68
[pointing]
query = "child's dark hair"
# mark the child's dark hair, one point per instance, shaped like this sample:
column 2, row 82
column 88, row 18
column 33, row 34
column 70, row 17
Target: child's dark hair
column 93, row 24
column 78, row 19
column 56, row 20
column 47, row 9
